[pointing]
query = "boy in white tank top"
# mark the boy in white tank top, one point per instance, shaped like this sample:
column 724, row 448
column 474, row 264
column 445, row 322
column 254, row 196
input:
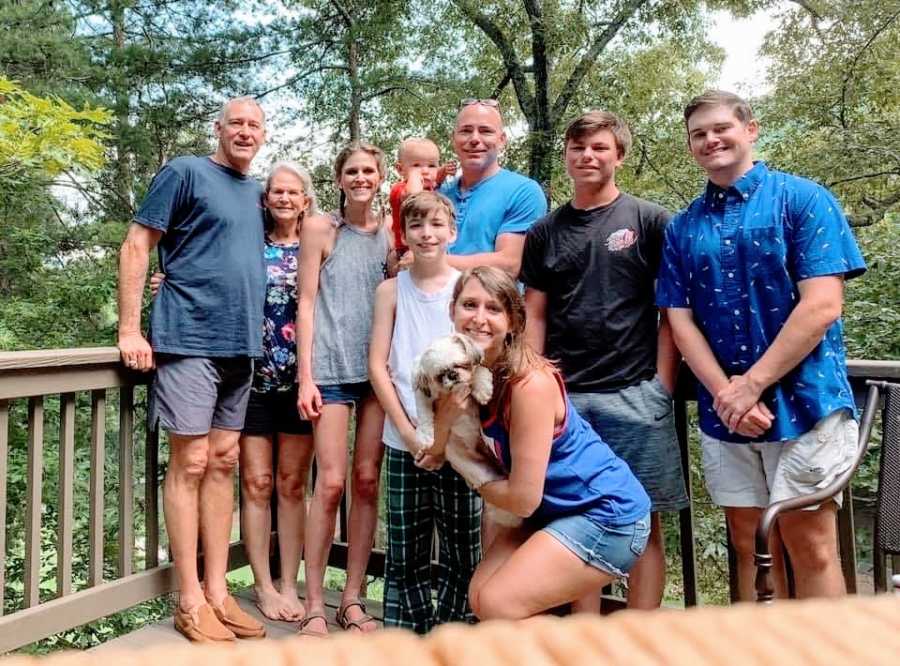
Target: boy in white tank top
column 411, row 310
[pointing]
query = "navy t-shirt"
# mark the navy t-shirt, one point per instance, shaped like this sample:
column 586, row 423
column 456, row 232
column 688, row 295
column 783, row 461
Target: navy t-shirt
column 212, row 252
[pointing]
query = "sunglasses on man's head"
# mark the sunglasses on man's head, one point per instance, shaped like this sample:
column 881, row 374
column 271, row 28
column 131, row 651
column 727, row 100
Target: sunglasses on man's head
column 469, row 101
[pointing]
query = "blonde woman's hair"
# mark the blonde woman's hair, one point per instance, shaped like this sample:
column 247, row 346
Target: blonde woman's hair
column 518, row 359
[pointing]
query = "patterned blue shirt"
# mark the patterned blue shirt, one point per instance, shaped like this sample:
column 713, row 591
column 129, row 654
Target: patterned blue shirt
column 735, row 256
column 277, row 370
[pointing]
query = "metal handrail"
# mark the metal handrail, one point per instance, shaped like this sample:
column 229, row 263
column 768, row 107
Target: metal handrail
column 763, row 558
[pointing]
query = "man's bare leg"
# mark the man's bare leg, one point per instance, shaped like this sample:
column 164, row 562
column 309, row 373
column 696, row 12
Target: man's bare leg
column 216, row 506
column 181, row 506
column 811, row 541
column 742, row 522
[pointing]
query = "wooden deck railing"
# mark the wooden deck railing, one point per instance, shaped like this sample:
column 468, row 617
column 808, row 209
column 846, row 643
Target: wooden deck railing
column 37, row 378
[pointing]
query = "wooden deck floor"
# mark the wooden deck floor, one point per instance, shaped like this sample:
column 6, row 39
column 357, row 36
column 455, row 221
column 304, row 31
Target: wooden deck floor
column 164, row 631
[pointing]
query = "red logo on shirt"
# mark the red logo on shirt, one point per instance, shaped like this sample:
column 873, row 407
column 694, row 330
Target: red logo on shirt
column 620, row 240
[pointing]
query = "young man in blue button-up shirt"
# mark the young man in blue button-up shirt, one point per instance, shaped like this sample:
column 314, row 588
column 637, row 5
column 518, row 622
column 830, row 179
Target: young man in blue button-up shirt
column 752, row 278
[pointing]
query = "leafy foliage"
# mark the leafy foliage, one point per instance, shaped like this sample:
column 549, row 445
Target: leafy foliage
column 835, row 103
column 44, row 136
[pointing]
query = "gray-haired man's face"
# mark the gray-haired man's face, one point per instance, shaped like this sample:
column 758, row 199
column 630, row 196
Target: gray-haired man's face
column 241, row 133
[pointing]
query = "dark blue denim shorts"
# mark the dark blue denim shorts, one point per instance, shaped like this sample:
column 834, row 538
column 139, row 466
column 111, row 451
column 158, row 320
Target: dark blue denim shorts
column 610, row 548
column 345, row 394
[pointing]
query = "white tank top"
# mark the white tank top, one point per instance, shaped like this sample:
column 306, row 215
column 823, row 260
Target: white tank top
column 419, row 319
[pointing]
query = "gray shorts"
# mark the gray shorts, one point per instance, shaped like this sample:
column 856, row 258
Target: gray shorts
column 757, row 474
column 638, row 423
column 192, row 394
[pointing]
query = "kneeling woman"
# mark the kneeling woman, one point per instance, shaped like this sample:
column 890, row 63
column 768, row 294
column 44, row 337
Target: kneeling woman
column 586, row 516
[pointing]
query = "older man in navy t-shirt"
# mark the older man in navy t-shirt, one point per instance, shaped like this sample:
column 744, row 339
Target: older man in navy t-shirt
column 205, row 216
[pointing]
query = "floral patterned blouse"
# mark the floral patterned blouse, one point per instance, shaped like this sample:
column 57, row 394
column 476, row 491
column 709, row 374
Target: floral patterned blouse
column 277, row 370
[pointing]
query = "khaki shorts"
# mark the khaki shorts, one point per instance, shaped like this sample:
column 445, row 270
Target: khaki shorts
column 758, row 474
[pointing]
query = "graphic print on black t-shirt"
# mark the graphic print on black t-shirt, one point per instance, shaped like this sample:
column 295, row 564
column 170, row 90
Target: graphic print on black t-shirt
column 597, row 268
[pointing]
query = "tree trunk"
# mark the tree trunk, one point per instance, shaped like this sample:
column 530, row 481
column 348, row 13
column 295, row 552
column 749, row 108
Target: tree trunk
column 541, row 156
column 540, row 125
column 122, row 205
column 355, row 92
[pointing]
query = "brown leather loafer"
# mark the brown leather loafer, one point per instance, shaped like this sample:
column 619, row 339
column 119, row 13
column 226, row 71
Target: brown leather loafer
column 200, row 625
column 237, row 620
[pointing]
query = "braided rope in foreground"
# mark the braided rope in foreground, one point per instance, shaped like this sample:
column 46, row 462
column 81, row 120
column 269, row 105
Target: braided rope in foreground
column 853, row 630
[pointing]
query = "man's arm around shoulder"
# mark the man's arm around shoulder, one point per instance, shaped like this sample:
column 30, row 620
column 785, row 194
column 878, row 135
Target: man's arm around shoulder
column 134, row 260
column 507, row 255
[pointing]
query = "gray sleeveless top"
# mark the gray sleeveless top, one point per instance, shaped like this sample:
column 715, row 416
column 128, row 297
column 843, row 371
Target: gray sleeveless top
column 344, row 304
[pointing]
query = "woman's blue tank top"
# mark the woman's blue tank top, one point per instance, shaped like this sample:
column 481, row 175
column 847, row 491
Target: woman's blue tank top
column 584, row 476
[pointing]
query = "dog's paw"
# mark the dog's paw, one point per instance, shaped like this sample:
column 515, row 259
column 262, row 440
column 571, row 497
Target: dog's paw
column 482, row 385
column 424, row 442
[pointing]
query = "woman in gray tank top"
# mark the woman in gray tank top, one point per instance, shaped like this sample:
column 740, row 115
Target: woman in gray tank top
column 343, row 258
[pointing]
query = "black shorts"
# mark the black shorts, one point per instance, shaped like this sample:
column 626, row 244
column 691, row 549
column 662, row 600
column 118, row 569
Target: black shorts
column 274, row 412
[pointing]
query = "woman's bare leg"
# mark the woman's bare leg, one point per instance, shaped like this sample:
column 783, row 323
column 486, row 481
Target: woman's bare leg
column 330, row 439
column 520, row 587
column 367, row 456
column 256, row 519
column 294, row 458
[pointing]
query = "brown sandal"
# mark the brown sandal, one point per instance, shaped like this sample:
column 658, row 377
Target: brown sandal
column 304, row 624
column 345, row 623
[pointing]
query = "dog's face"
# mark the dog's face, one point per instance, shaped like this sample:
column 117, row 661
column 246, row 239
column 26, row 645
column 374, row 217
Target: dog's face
column 448, row 361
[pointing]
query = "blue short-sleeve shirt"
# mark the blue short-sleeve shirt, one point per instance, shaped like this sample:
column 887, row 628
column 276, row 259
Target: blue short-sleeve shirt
column 506, row 202
column 212, row 252
column 734, row 257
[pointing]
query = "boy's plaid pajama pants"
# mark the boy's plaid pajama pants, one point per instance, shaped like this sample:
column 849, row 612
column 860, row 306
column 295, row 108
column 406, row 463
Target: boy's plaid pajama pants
column 418, row 501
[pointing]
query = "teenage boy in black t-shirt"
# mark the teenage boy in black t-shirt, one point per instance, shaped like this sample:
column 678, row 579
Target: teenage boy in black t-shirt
column 589, row 268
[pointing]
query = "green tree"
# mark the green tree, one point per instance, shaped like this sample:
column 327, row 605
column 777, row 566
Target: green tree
column 548, row 49
column 834, row 110
column 40, row 138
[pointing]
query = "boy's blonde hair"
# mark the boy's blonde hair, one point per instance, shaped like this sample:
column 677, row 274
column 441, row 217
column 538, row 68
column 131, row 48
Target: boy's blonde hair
column 419, row 206
column 737, row 104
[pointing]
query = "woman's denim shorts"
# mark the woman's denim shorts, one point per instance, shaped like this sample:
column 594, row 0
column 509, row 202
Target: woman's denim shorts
column 610, row 548
column 345, row 394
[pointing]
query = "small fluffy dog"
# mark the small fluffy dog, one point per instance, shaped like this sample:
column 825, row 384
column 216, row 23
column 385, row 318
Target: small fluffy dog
column 449, row 362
